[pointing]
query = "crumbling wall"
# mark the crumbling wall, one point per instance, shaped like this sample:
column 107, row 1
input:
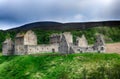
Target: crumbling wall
column 68, row 37
column 55, row 38
column 64, row 45
column 99, row 45
column 32, row 49
column 20, row 50
column 30, row 38
column 8, row 47
column 81, row 42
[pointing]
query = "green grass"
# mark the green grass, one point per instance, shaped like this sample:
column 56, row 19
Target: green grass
column 0, row 54
column 56, row 66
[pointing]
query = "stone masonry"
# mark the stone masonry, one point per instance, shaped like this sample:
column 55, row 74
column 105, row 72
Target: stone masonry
column 26, row 43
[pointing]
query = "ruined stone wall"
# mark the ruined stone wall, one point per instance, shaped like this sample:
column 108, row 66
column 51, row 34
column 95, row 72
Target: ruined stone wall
column 32, row 49
column 55, row 38
column 20, row 50
column 64, row 45
column 8, row 47
column 19, row 41
column 30, row 38
column 71, row 50
column 81, row 42
column 99, row 44
column 83, row 49
column 68, row 36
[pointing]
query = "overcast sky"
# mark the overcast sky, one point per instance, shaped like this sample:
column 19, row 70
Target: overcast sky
column 14, row 13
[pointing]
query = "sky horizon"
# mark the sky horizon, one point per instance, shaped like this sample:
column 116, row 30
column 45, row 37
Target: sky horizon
column 14, row 13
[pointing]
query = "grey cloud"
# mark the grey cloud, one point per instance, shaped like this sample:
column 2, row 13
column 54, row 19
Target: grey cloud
column 24, row 11
column 116, row 9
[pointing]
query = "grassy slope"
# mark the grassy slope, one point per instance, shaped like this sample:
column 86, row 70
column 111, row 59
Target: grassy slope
column 77, row 66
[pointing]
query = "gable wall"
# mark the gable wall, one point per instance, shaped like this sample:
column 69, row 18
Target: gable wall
column 30, row 38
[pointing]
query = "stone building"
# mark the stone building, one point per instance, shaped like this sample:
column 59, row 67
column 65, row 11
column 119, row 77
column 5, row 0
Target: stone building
column 28, row 38
column 81, row 45
column 8, row 47
column 26, row 43
column 23, row 40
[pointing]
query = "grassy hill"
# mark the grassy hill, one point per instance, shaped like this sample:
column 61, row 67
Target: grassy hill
column 55, row 66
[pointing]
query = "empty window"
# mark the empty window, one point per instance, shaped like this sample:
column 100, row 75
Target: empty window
column 53, row 50
column 102, row 48
column 78, row 49
column 81, row 51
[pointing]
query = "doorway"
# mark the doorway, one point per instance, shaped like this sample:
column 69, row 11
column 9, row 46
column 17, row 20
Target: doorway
column 53, row 50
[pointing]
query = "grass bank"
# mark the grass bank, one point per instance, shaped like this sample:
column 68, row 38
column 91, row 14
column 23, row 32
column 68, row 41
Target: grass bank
column 55, row 66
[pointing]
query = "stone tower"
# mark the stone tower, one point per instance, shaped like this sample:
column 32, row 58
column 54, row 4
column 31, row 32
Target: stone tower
column 81, row 42
column 8, row 47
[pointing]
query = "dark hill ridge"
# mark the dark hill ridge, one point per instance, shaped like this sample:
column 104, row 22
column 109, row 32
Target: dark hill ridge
column 40, row 25
column 66, row 26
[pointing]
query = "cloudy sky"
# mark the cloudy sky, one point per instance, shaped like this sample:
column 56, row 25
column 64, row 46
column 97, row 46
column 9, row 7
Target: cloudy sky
column 14, row 13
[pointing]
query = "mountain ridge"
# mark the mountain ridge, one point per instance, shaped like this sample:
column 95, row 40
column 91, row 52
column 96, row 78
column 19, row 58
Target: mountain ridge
column 49, row 25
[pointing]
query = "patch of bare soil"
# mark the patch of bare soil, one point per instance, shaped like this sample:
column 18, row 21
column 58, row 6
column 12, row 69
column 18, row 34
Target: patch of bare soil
column 113, row 48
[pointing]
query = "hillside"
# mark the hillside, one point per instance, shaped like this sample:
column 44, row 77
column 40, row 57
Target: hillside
column 66, row 26
column 55, row 66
